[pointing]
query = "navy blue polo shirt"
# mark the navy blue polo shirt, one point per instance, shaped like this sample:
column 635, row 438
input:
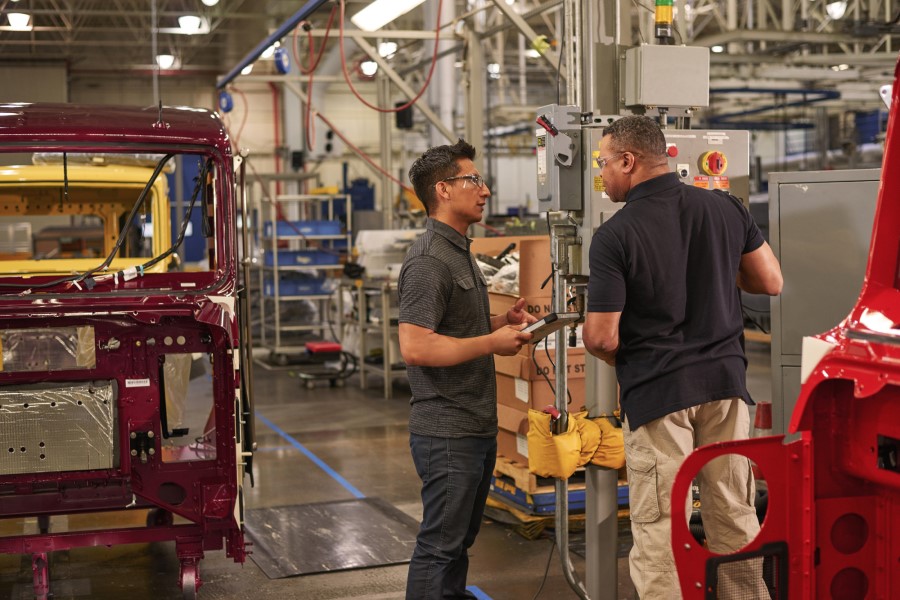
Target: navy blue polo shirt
column 668, row 260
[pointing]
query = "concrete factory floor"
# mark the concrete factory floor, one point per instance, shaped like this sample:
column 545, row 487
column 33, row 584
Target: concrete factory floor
column 357, row 435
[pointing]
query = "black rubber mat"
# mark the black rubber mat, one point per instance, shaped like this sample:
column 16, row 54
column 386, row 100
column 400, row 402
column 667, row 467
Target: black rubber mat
column 330, row 536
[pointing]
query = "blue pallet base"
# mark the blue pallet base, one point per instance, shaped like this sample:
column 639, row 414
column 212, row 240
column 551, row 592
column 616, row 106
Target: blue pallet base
column 544, row 503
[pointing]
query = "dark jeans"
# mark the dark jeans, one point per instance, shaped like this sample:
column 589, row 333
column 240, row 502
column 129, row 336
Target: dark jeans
column 456, row 476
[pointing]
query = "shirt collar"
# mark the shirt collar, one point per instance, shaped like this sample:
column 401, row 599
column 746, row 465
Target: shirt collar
column 652, row 187
column 452, row 235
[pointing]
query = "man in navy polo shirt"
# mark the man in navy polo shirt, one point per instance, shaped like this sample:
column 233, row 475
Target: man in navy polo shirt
column 664, row 308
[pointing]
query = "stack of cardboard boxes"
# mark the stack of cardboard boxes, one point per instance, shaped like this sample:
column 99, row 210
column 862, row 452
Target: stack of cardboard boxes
column 528, row 379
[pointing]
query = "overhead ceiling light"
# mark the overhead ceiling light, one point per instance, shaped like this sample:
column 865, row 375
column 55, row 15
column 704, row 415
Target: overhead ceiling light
column 190, row 24
column 532, row 53
column 247, row 70
column 268, row 52
column 836, row 10
column 718, row 49
column 368, row 68
column 381, row 12
column 386, row 49
column 210, row 2
column 19, row 21
column 165, row 61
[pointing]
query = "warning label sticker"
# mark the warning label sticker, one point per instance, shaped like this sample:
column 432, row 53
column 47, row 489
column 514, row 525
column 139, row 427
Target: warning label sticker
column 720, row 182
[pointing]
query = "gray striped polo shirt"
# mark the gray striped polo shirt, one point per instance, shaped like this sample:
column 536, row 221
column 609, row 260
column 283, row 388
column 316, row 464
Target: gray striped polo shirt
column 442, row 289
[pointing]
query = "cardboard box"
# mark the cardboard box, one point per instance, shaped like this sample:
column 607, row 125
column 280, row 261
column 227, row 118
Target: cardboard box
column 522, row 366
column 512, row 439
column 512, row 419
column 538, row 306
column 534, row 260
column 513, row 446
column 524, row 394
column 500, row 303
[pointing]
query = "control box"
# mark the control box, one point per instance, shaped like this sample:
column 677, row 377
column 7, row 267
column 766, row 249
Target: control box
column 559, row 164
column 711, row 159
column 670, row 76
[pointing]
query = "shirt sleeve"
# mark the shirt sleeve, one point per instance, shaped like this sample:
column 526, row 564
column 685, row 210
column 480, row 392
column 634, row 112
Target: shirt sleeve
column 753, row 237
column 606, row 283
column 423, row 289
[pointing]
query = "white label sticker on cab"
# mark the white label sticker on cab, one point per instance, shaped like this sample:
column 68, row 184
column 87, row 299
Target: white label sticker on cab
column 130, row 383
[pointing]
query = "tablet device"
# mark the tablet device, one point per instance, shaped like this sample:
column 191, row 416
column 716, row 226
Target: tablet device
column 550, row 323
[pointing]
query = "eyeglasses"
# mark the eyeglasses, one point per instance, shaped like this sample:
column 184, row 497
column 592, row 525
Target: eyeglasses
column 601, row 162
column 478, row 180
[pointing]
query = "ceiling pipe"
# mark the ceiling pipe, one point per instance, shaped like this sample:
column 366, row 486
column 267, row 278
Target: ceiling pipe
column 285, row 28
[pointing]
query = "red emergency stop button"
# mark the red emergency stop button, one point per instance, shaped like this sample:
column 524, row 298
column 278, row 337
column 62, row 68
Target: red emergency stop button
column 672, row 151
column 713, row 163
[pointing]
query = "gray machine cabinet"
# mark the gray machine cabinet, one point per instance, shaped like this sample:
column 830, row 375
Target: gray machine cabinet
column 820, row 229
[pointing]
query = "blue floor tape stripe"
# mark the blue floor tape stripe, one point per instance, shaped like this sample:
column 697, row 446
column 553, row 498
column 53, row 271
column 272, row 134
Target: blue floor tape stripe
column 478, row 593
column 319, row 462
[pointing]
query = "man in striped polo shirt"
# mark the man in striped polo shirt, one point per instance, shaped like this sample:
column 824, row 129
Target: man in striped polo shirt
column 447, row 338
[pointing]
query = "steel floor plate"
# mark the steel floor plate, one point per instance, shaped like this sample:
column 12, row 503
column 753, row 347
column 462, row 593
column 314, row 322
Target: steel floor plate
column 330, row 536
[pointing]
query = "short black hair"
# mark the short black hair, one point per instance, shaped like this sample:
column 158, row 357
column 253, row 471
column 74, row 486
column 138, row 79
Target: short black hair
column 638, row 134
column 435, row 164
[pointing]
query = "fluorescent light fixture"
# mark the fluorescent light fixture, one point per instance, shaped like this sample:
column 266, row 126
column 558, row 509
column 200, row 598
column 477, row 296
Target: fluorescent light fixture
column 165, row 61
column 210, row 2
column 19, row 21
column 386, row 49
column 190, row 24
column 268, row 52
column 247, row 70
column 836, row 10
column 368, row 68
column 718, row 49
column 381, row 12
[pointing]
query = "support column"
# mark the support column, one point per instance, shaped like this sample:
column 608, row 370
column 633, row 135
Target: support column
column 441, row 94
column 384, row 126
column 475, row 95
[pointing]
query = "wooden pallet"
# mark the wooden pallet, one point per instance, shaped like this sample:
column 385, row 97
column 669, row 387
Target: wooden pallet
column 753, row 335
column 531, row 483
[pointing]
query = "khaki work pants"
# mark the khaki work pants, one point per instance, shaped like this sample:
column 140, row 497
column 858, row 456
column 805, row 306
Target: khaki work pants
column 654, row 453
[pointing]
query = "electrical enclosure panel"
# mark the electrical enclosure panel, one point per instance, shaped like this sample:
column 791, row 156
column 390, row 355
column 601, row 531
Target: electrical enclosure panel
column 559, row 158
column 711, row 159
column 714, row 159
column 670, row 76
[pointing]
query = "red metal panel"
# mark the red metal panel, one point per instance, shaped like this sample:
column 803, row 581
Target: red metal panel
column 843, row 503
column 130, row 322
